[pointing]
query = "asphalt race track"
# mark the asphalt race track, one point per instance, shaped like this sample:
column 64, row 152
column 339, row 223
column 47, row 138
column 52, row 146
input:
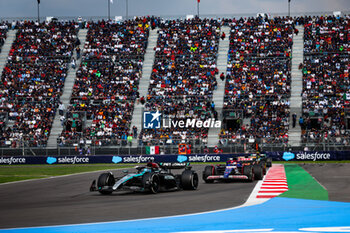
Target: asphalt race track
column 335, row 177
column 67, row 200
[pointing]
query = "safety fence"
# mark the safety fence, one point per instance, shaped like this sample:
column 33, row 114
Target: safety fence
column 132, row 149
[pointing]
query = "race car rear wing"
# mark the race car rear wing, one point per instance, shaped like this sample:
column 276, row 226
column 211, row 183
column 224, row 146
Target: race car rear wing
column 174, row 165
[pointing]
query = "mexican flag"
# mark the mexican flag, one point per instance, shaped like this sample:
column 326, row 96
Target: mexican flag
column 152, row 150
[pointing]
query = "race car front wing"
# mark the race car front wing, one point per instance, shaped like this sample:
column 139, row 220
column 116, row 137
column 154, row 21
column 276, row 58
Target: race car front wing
column 233, row 177
column 94, row 188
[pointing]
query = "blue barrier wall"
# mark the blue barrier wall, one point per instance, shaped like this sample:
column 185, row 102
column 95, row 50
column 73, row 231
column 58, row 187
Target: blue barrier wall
column 310, row 155
column 276, row 156
column 114, row 159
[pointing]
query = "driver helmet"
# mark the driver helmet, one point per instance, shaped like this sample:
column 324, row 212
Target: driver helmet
column 152, row 164
column 230, row 161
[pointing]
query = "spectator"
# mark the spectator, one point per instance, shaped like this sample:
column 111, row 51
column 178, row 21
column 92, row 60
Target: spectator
column 129, row 138
column 223, row 36
column 62, row 120
column 142, row 100
column 296, row 31
column 222, row 76
column 206, row 150
column 73, row 63
column 301, row 122
column 78, row 52
column 134, row 129
column 61, row 109
column 217, row 150
column 294, row 116
column 88, row 151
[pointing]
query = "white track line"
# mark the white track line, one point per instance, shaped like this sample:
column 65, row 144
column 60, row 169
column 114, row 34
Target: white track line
column 252, row 200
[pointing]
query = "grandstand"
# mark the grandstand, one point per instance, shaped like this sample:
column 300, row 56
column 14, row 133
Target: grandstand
column 106, row 86
column 33, row 78
column 258, row 82
column 326, row 81
column 183, row 78
column 58, row 99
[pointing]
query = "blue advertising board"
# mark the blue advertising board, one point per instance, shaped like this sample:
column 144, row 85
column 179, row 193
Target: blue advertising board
column 309, row 155
column 14, row 160
column 202, row 158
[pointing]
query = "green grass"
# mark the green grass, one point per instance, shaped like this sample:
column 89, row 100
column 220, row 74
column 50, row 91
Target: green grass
column 302, row 185
column 25, row 172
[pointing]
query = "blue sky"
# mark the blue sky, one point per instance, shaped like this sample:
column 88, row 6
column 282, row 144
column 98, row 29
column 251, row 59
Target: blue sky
column 28, row 8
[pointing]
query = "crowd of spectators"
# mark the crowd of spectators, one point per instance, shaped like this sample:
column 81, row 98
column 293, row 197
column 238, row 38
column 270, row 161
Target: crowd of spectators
column 326, row 34
column 106, row 84
column 33, row 78
column 258, row 80
column 261, row 37
column 326, row 84
column 183, row 78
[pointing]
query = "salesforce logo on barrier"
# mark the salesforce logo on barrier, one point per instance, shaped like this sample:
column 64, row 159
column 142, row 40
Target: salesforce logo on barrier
column 204, row 158
column 313, row 156
column 198, row 158
column 137, row 159
column 12, row 160
column 73, row 160
column 51, row 160
column 181, row 158
column 67, row 160
column 288, row 156
column 117, row 159
column 306, row 156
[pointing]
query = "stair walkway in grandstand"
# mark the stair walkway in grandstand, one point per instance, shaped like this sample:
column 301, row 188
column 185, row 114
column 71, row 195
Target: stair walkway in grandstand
column 67, row 92
column 11, row 36
column 296, row 87
column 144, row 82
column 218, row 95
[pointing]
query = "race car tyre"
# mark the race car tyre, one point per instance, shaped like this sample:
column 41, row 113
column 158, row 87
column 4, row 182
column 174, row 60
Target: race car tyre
column 208, row 171
column 258, row 172
column 105, row 179
column 268, row 162
column 189, row 180
column 263, row 165
column 248, row 171
column 151, row 182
